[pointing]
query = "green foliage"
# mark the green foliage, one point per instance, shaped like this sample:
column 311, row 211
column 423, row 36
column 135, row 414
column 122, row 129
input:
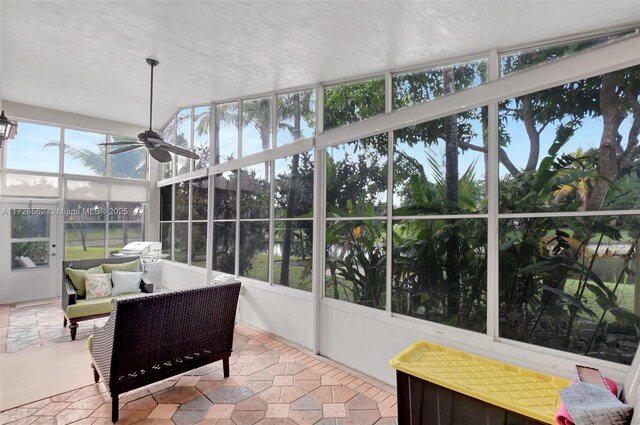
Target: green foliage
column 352, row 102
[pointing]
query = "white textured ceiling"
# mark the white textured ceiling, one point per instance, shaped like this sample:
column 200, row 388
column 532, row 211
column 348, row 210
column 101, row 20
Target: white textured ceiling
column 88, row 56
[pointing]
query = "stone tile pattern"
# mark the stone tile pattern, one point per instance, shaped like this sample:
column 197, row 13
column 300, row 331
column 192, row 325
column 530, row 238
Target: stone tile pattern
column 271, row 382
column 29, row 326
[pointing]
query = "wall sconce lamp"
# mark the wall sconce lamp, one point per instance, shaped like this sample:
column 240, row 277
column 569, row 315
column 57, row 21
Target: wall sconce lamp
column 7, row 128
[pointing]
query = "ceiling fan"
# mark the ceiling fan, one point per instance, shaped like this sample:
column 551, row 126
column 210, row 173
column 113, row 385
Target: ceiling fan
column 158, row 148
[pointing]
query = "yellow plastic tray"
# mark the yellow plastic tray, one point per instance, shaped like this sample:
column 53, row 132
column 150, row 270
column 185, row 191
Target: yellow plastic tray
column 532, row 394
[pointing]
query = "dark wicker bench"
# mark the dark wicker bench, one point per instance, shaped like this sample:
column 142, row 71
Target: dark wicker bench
column 70, row 297
column 150, row 338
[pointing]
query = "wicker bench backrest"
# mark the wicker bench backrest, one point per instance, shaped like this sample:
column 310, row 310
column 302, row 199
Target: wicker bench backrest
column 160, row 335
column 87, row 264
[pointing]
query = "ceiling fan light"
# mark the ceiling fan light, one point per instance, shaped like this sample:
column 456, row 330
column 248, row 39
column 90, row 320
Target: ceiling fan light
column 6, row 126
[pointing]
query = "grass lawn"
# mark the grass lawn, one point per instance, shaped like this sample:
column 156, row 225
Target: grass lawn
column 259, row 270
column 77, row 253
column 624, row 294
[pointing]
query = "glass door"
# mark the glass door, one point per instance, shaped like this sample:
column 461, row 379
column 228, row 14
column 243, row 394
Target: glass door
column 30, row 269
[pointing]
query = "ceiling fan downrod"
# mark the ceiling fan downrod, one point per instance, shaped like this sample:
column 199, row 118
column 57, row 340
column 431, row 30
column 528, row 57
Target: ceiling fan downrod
column 153, row 63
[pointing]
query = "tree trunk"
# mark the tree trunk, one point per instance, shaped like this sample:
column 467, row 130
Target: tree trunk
column 532, row 132
column 612, row 117
column 451, row 182
column 291, row 196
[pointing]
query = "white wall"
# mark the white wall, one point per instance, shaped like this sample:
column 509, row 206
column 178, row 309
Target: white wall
column 180, row 276
column 51, row 116
column 366, row 339
column 283, row 311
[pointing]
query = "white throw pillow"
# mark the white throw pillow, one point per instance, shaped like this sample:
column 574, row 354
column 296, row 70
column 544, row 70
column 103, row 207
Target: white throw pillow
column 224, row 278
column 28, row 262
column 125, row 282
column 98, row 285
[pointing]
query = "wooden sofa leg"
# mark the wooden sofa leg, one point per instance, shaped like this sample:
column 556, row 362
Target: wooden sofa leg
column 73, row 327
column 65, row 322
column 114, row 407
column 225, row 366
column 96, row 375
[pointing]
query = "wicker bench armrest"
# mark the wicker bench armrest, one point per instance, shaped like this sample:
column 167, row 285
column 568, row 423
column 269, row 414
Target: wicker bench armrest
column 146, row 286
column 102, row 346
column 69, row 295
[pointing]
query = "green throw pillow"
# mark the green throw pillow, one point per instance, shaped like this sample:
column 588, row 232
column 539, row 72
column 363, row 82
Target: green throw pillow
column 131, row 266
column 77, row 278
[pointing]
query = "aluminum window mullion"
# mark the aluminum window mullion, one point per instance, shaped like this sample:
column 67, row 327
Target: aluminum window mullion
column 319, row 207
column 578, row 66
column 274, row 121
column 210, row 211
column 493, row 237
column 237, row 223
column 272, row 191
column 240, row 127
column 192, row 143
column 61, row 153
column 190, row 223
column 389, row 259
column 173, row 221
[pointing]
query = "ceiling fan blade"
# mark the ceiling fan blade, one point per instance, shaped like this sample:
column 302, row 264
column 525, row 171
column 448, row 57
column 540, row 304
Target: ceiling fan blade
column 125, row 149
column 182, row 152
column 160, row 155
column 119, row 143
column 159, row 141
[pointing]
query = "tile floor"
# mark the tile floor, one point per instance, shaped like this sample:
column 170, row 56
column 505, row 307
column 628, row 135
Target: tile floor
column 28, row 325
column 271, row 382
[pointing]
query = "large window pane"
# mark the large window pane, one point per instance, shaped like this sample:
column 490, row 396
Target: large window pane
column 83, row 211
column 255, row 191
column 572, row 147
column 292, row 254
column 226, row 147
column 357, row 177
column 165, row 238
column 129, row 165
column 256, row 125
column 84, row 240
column 224, row 246
column 181, row 211
column 410, row 88
column 570, row 283
column 35, row 148
column 87, row 189
column 126, row 211
column 29, row 223
column 202, row 117
column 199, row 244
column 440, row 271
column 166, row 202
column 31, row 185
column 294, row 186
column 29, row 254
column 183, row 140
column 356, row 262
column 169, row 136
column 30, row 238
column 352, row 102
column 254, row 250
column 296, row 115
column 225, row 195
column 439, row 166
column 82, row 153
column 120, row 234
column 517, row 61
column 199, row 198
column 181, row 243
